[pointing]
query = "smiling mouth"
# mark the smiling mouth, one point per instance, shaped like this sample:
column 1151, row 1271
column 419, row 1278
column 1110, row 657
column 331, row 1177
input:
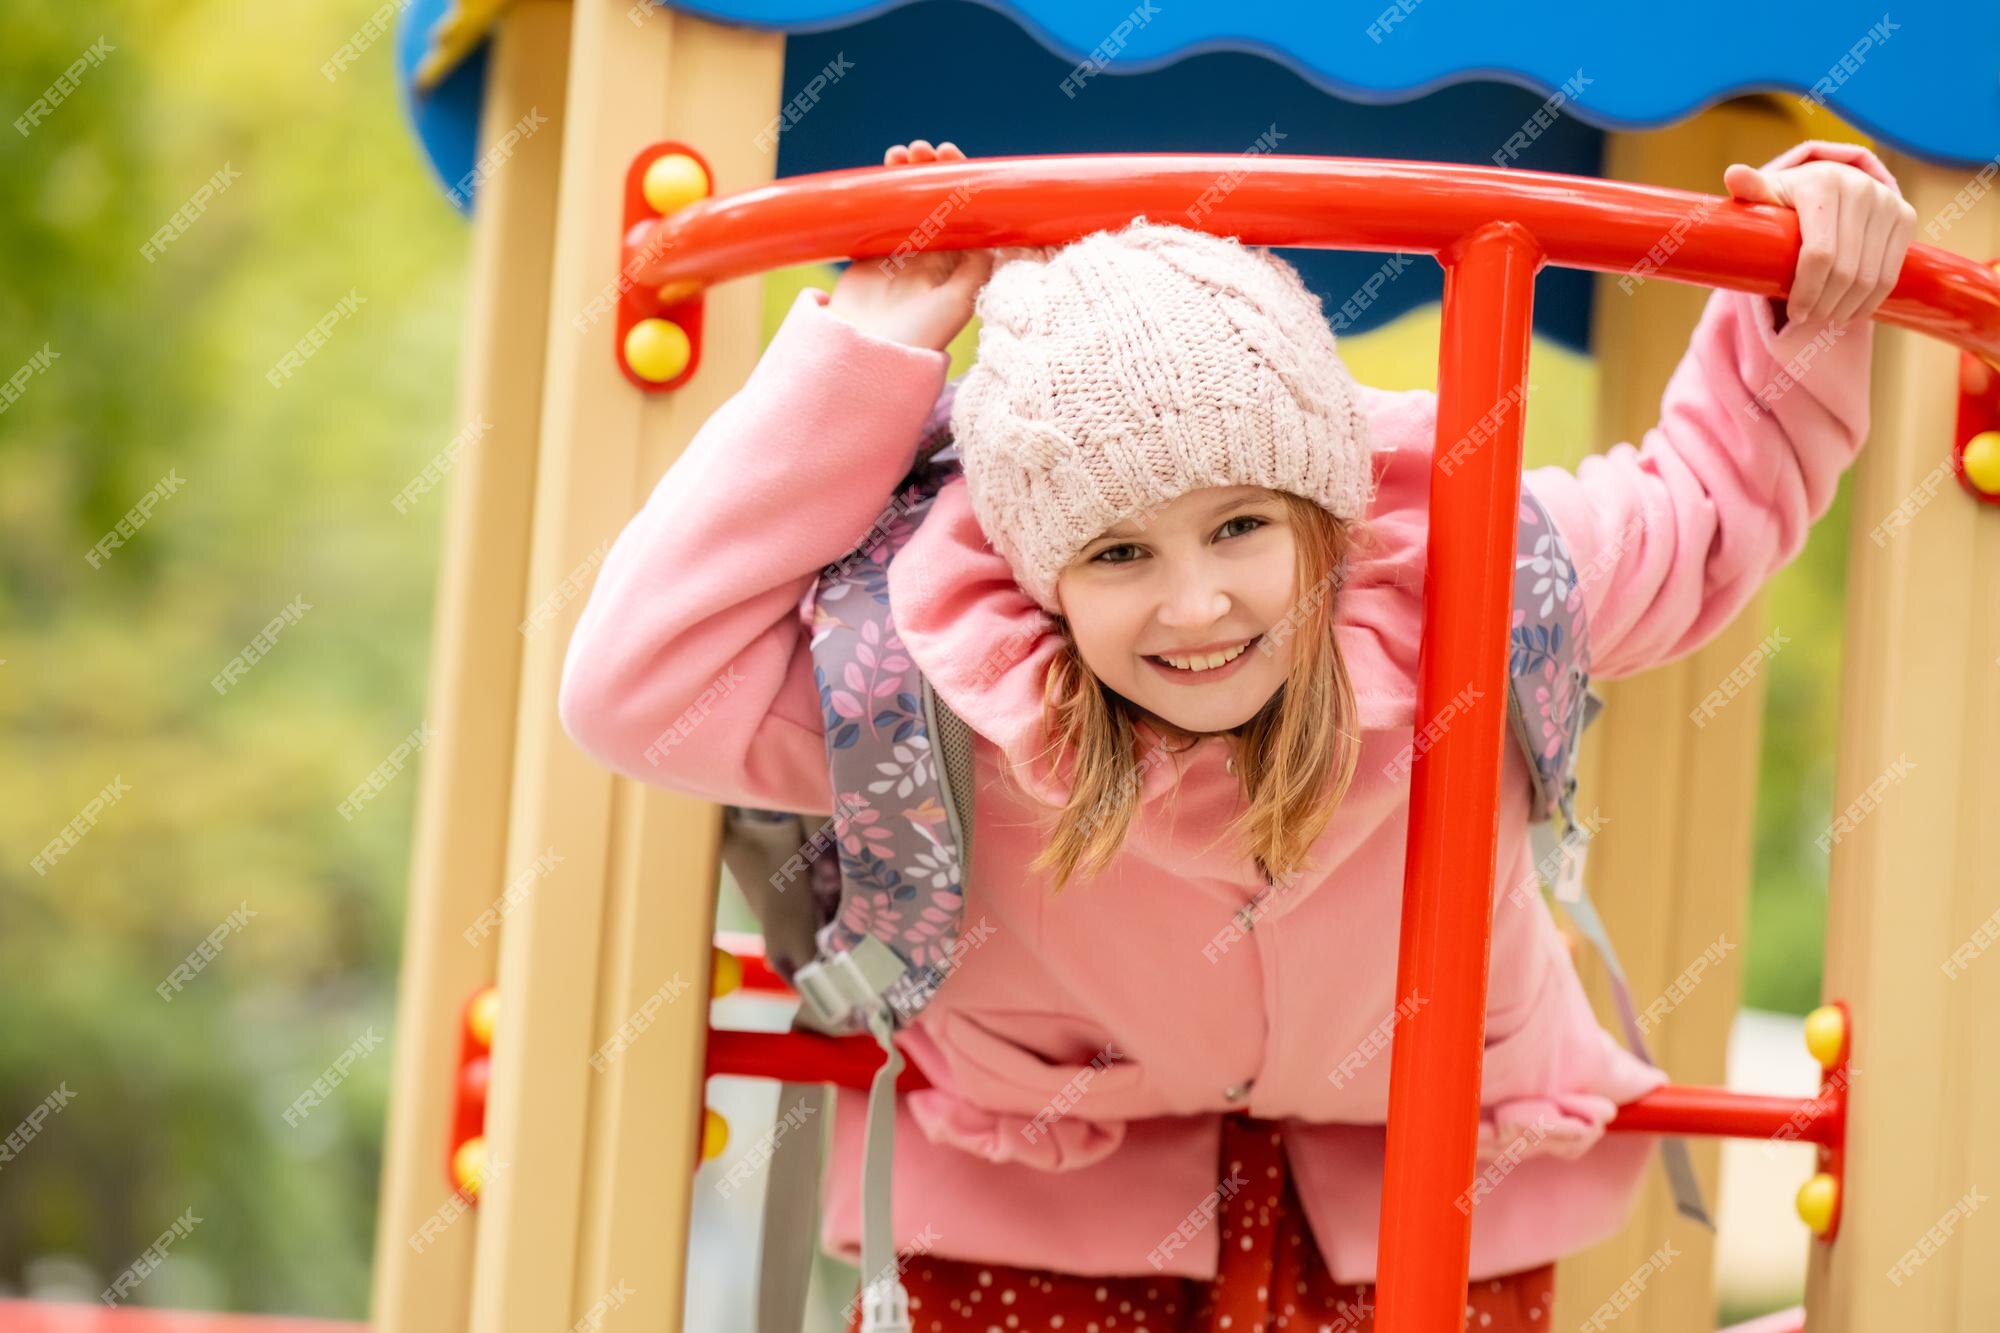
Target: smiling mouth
column 1199, row 663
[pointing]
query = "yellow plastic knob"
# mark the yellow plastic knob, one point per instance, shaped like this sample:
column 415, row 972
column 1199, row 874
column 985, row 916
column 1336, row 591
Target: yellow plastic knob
column 714, row 1133
column 481, row 1015
column 1826, row 1034
column 726, row 975
column 468, row 1165
column 673, row 181
column 1818, row 1198
column 657, row 350
column 1982, row 461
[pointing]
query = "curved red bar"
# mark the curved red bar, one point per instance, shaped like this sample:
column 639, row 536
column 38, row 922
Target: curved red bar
column 1346, row 203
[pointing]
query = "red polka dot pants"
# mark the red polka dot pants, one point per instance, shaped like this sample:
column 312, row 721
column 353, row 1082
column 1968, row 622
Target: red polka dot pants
column 1271, row 1277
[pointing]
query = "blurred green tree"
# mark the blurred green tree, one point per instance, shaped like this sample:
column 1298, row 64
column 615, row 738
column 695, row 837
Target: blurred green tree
column 275, row 496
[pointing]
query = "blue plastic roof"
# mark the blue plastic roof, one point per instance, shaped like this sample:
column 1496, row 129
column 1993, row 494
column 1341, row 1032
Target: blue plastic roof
column 1448, row 80
column 1926, row 81
column 445, row 119
column 1009, row 102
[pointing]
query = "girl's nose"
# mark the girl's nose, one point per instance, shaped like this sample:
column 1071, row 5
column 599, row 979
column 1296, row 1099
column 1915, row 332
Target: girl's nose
column 1193, row 603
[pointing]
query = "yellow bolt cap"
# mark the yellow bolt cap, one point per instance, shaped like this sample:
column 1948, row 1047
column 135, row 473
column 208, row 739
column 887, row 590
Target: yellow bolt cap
column 1817, row 1200
column 468, row 1165
column 481, row 1015
column 1826, row 1034
column 726, row 975
column 673, row 181
column 1982, row 461
column 714, row 1133
column 657, row 350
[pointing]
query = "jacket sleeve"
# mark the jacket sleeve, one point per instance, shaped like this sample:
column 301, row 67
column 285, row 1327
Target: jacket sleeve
column 1670, row 539
column 690, row 668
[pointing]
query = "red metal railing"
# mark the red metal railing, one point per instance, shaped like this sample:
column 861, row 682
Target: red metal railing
column 1489, row 291
column 1340, row 203
column 1491, row 229
column 850, row 1062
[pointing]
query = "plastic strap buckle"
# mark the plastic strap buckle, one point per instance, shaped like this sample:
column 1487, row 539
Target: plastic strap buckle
column 833, row 986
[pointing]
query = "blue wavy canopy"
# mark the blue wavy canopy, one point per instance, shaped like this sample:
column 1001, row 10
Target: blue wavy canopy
column 1443, row 80
column 1923, row 79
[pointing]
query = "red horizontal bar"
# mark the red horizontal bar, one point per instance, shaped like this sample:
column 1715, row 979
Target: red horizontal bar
column 803, row 1057
column 850, row 1062
column 1345, row 203
column 65, row 1317
column 1720, row 1113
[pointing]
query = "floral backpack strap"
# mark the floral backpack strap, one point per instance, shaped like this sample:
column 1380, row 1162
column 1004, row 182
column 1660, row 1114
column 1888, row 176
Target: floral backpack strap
column 897, row 823
column 1550, row 702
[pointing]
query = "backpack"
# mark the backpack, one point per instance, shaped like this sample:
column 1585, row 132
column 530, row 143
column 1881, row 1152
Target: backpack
column 887, row 934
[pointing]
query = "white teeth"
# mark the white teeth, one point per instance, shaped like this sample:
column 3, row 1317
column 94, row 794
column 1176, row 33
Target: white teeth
column 1206, row 661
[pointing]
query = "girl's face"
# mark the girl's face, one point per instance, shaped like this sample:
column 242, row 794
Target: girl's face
column 1198, row 580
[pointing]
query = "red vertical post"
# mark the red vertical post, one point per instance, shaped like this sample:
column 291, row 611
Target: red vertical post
column 1447, row 929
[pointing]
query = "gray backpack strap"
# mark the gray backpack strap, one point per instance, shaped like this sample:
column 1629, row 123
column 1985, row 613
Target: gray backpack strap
column 860, row 982
column 885, row 1304
column 770, row 856
column 1550, row 702
column 1673, row 1152
column 832, row 995
column 791, row 1210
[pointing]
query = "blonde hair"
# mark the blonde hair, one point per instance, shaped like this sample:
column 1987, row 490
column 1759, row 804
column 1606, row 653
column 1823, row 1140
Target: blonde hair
column 1295, row 758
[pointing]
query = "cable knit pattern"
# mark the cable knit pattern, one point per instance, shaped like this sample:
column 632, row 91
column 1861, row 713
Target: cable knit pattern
column 1130, row 367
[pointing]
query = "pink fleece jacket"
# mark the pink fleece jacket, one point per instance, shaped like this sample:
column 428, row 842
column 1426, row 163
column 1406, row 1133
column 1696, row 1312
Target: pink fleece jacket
column 1129, row 1003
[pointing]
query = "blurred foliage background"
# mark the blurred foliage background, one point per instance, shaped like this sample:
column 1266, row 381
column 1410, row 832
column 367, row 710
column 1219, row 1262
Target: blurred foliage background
column 285, row 493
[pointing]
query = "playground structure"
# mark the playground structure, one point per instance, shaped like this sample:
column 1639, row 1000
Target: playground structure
column 595, row 379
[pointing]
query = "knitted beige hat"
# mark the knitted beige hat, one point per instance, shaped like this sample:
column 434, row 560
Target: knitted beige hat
column 1120, row 371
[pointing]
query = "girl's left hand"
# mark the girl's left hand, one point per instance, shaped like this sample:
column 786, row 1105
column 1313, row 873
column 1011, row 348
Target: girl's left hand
column 1853, row 234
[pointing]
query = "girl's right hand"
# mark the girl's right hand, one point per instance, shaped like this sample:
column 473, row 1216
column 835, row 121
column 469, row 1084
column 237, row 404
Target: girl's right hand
column 914, row 296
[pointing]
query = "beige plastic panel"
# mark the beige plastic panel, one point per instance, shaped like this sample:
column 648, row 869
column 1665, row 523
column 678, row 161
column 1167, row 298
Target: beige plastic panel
column 424, row 1240
column 594, row 1199
column 1919, row 874
column 722, row 92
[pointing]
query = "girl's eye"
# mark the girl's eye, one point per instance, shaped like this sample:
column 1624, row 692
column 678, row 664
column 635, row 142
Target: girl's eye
column 1244, row 518
column 1251, row 519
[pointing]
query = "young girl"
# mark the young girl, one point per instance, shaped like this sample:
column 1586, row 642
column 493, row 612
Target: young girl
column 1185, row 561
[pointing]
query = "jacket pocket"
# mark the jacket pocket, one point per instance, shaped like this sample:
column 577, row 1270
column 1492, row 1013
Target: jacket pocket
column 1023, row 1061
column 1048, row 1090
